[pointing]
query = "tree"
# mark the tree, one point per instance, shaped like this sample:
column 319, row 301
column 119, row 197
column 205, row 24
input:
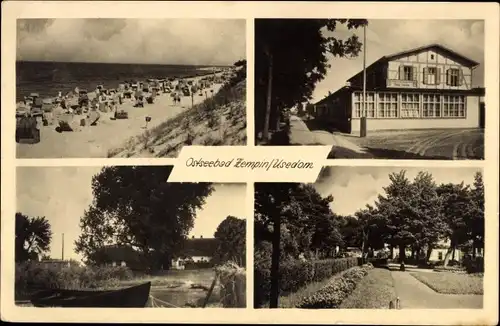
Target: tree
column 270, row 201
column 291, row 58
column 33, row 237
column 412, row 212
column 136, row 206
column 301, row 109
column 240, row 63
column 475, row 222
column 296, row 219
column 456, row 208
column 231, row 235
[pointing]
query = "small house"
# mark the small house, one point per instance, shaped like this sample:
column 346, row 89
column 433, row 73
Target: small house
column 196, row 250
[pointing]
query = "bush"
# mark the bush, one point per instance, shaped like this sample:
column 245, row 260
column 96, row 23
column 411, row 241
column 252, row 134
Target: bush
column 332, row 295
column 378, row 262
column 198, row 265
column 33, row 275
column 474, row 265
column 295, row 274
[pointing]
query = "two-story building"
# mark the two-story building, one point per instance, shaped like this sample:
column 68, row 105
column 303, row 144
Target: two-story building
column 424, row 88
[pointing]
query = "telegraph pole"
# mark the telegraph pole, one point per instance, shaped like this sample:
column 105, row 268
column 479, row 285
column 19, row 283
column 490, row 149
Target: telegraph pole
column 62, row 251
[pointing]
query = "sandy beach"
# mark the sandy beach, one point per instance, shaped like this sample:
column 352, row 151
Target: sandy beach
column 96, row 141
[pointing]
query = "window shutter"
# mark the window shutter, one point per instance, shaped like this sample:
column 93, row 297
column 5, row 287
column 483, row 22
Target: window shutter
column 448, row 77
column 401, row 72
column 425, row 75
column 438, row 76
column 460, row 77
column 414, row 73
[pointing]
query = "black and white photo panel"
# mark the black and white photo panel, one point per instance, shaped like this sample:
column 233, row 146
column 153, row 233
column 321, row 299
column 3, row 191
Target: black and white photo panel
column 124, row 237
column 371, row 238
column 120, row 88
column 339, row 82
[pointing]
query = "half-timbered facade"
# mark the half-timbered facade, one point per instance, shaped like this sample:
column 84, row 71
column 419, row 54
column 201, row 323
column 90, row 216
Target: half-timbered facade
column 424, row 88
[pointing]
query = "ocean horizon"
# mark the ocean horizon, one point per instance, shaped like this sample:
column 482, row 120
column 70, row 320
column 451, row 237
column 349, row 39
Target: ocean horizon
column 47, row 78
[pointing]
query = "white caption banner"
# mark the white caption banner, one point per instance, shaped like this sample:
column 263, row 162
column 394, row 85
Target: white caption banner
column 249, row 164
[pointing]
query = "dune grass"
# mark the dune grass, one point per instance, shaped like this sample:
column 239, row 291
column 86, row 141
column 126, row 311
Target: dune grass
column 220, row 120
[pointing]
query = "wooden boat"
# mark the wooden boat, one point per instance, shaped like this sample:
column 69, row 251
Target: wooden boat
column 133, row 297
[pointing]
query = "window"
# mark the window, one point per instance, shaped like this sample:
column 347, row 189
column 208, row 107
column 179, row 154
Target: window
column 410, row 105
column 387, row 105
column 406, row 73
column 454, row 106
column 432, row 56
column 453, row 77
column 431, row 105
column 431, row 76
column 440, row 255
column 370, row 104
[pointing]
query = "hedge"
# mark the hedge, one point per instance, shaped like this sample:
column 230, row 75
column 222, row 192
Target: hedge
column 332, row 294
column 295, row 274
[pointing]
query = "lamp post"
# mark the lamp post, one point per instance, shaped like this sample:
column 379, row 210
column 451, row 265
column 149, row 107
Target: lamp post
column 362, row 132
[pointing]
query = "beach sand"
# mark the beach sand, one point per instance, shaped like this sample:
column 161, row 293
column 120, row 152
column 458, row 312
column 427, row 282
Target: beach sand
column 96, row 141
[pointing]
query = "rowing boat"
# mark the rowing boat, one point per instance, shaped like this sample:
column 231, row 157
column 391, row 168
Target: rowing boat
column 132, row 297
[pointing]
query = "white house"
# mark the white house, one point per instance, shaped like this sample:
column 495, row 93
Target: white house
column 196, row 250
column 423, row 88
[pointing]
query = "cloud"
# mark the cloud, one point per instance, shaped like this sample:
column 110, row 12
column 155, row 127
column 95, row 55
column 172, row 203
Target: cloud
column 148, row 41
column 354, row 187
column 385, row 37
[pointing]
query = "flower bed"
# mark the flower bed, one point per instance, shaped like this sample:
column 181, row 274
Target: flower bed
column 332, row 295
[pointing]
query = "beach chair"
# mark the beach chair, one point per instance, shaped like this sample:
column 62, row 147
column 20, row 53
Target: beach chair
column 27, row 130
column 139, row 103
column 122, row 114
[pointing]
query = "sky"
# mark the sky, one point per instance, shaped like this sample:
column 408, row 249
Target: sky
column 61, row 194
column 385, row 37
column 354, row 187
column 147, row 41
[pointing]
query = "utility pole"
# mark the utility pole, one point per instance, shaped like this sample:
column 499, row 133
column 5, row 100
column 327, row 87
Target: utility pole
column 62, row 251
column 363, row 111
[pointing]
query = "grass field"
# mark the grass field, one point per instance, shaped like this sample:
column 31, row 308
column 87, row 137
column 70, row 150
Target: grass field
column 451, row 283
column 373, row 292
column 445, row 144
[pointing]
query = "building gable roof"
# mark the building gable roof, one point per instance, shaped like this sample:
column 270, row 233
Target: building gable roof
column 119, row 253
column 200, row 247
column 436, row 47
